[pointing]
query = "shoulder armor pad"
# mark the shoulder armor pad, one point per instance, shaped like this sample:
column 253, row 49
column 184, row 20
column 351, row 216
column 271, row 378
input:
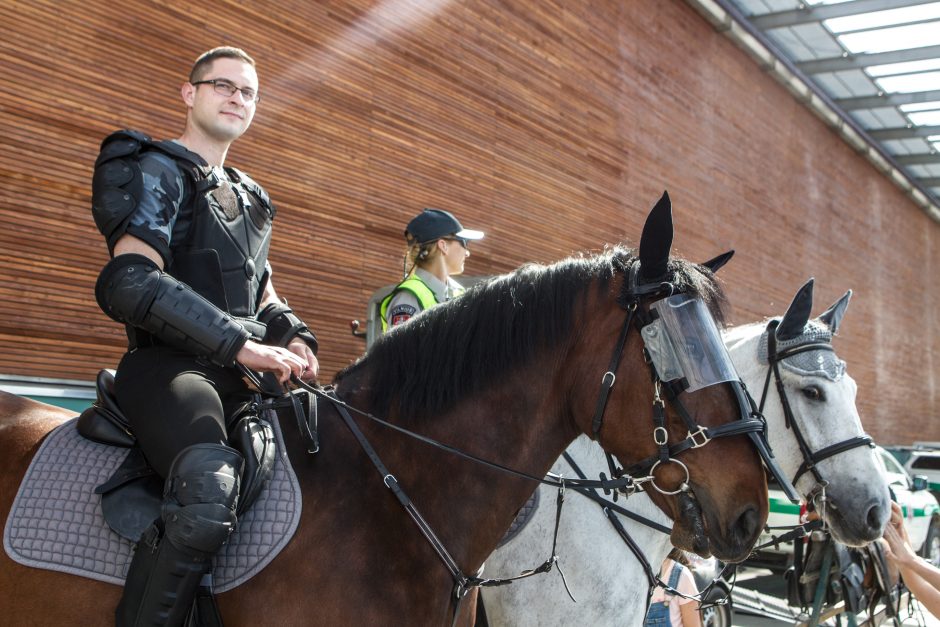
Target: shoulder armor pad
column 253, row 187
column 117, row 183
column 121, row 144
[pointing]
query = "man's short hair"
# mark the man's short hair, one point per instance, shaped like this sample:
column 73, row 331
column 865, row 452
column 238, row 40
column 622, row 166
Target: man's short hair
column 205, row 60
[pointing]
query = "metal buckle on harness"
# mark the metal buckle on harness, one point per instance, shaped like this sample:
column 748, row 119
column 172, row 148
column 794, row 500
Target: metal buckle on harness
column 696, row 443
column 660, row 436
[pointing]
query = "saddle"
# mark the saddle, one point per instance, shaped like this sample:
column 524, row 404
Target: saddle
column 131, row 498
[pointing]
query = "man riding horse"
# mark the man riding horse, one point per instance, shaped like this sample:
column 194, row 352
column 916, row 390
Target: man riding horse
column 190, row 280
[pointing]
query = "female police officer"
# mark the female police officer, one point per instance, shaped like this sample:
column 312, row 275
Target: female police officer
column 437, row 247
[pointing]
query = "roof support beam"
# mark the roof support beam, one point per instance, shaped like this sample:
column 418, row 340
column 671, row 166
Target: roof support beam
column 933, row 181
column 887, row 100
column 922, row 159
column 859, row 61
column 904, row 132
column 827, row 11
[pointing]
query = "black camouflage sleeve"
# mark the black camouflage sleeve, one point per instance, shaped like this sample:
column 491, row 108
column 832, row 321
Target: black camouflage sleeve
column 158, row 208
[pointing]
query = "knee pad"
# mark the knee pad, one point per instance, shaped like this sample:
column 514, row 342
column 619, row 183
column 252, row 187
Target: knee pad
column 200, row 497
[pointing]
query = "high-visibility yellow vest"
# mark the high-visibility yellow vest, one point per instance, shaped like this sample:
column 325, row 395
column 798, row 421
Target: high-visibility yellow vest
column 416, row 286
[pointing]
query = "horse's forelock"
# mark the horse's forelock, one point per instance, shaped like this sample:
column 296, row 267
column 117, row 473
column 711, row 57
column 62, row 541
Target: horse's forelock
column 690, row 278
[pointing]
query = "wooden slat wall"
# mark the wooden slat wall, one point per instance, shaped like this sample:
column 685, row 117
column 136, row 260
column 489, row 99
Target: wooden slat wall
column 551, row 125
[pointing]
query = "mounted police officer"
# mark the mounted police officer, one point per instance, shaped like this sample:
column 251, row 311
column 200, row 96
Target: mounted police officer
column 438, row 246
column 190, row 280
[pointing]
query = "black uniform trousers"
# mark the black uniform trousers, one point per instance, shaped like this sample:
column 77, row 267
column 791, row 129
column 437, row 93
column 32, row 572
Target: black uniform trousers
column 174, row 399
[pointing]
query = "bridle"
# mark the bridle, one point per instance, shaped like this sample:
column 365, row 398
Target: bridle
column 810, row 458
column 749, row 421
column 809, row 464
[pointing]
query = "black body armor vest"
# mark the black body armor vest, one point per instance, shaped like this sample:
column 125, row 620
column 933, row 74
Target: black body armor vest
column 223, row 254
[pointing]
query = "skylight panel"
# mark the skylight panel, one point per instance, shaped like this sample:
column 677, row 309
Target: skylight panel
column 920, row 106
column 925, row 118
column 896, row 38
column 880, row 19
column 909, row 82
column 903, row 68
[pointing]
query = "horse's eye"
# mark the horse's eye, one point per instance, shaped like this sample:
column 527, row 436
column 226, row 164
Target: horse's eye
column 813, row 393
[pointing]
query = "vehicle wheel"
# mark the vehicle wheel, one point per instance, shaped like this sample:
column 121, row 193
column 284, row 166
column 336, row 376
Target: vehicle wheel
column 717, row 615
column 931, row 549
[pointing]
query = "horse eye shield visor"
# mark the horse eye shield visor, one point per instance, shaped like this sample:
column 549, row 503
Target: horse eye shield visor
column 683, row 343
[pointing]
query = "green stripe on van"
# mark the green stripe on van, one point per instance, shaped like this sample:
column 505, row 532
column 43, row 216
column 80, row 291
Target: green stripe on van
column 920, row 512
column 784, row 506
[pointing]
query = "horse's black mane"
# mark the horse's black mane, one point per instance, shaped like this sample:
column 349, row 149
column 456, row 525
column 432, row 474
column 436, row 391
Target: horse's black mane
column 456, row 349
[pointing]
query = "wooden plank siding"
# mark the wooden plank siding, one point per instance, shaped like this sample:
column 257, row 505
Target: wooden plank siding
column 553, row 126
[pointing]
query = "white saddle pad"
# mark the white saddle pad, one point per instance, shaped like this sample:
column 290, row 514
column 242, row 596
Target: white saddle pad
column 56, row 521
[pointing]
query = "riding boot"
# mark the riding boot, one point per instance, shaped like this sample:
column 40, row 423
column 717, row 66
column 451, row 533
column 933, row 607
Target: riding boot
column 198, row 514
column 161, row 582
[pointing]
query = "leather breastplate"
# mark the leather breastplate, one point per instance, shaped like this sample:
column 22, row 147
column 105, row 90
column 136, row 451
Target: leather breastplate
column 223, row 255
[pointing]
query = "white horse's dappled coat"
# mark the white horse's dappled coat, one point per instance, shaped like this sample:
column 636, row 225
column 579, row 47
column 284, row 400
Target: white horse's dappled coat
column 604, row 576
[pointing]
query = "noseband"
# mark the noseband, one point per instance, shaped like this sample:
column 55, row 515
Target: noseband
column 810, row 458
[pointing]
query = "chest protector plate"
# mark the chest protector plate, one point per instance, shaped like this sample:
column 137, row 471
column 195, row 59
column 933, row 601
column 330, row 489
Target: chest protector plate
column 224, row 251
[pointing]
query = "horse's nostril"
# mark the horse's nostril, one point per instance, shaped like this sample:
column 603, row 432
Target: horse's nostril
column 876, row 517
column 747, row 525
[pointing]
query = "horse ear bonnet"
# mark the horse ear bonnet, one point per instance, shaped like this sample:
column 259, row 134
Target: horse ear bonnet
column 656, row 241
column 794, row 321
column 832, row 317
column 796, row 329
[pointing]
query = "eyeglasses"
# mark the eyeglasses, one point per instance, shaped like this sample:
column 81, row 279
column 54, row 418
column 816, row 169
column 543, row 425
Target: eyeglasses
column 227, row 89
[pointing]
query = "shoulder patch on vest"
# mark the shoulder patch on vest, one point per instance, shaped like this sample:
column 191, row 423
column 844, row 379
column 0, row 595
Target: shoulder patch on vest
column 401, row 313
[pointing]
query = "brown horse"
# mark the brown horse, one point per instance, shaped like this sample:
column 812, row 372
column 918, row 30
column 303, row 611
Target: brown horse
column 510, row 372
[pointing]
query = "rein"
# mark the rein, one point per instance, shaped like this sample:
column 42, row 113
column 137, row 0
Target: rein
column 462, row 583
column 621, row 483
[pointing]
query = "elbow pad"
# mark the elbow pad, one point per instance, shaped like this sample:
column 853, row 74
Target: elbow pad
column 133, row 290
column 283, row 326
